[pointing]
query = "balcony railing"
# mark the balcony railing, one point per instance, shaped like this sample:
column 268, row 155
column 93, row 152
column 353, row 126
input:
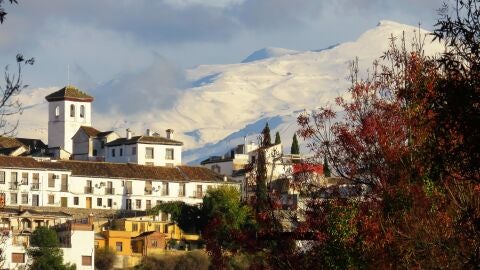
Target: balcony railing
column 109, row 191
column 35, row 186
column 13, row 186
column 88, row 190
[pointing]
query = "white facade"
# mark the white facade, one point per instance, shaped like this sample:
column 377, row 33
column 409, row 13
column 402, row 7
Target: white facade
column 80, row 245
column 65, row 117
column 145, row 154
column 60, row 188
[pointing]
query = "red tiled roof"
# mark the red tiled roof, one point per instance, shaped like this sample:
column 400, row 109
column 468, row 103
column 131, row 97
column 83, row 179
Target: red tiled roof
column 115, row 170
column 69, row 93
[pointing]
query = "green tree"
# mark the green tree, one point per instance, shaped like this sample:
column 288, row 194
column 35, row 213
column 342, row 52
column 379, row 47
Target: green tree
column 188, row 217
column 277, row 138
column 228, row 222
column 295, row 149
column 45, row 251
column 266, row 138
column 104, row 258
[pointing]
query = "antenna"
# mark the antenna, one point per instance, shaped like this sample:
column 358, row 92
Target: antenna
column 68, row 74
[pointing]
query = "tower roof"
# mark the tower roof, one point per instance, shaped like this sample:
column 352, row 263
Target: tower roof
column 69, row 93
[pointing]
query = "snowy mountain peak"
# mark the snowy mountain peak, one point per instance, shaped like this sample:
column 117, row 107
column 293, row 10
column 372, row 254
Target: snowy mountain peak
column 268, row 52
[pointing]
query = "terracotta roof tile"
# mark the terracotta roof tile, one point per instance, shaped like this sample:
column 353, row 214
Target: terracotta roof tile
column 69, row 93
column 115, row 170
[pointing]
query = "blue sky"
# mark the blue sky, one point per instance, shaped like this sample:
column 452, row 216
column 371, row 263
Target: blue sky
column 105, row 39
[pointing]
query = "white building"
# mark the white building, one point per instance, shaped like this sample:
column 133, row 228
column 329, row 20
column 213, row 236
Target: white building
column 89, row 143
column 68, row 110
column 150, row 149
column 76, row 239
column 101, row 185
column 231, row 164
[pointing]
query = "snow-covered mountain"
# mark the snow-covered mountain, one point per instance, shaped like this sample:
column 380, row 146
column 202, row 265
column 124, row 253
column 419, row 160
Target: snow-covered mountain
column 221, row 104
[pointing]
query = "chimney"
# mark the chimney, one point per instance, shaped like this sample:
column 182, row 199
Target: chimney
column 129, row 134
column 169, row 133
column 149, row 132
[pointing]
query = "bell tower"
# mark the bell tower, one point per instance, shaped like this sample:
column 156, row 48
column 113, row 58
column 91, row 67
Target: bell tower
column 68, row 109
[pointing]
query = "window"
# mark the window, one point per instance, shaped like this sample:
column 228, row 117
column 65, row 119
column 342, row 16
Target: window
column 169, row 154
column 113, row 152
column 128, row 185
column 154, row 243
column 13, row 198
column 72, row 110
column 88, row 187
column 24, row 198
column 25, row 178
column 109, row 189
column 57, row 111
column 118, row 246
column 149, row 153
column 165, row 189
column 158, row 202
column 2, row 177
column 51, row 180
column 99, row 201
column 51, row 199
column 94, row 152
column 18, row 257
column 86, row 260
column 138, row 204
column 148, row 204
column 134, row 151
column 148, row 187
column 164, row 216
column 142, row 227
column 181, row 189
column 35, row 181
column 102, row 144
column 199, row 192
column 75, row 200
column 157, row 228
column 134, row 227
column 128, row 203
column 35, row 200
column 82, row 111
column 109, row 202
column 13, row 178
column 64, row 183
column 121, row 151
column 165, row 228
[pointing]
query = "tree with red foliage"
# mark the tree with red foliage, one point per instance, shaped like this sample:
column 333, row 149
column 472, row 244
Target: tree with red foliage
column 410, row 132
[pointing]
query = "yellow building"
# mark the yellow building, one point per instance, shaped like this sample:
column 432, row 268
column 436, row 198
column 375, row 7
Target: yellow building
column 133, row 238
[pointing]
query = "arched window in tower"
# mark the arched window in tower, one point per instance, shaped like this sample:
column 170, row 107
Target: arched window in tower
column 57, row 111
column 72, row 110
column 82, row 111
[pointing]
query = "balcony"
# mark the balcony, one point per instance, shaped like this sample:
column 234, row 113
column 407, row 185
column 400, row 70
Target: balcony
column 88, row 190
column 198, row 194
column 35, row 186
column 109, row 191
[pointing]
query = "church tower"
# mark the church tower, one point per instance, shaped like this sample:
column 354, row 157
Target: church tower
column 68, row 109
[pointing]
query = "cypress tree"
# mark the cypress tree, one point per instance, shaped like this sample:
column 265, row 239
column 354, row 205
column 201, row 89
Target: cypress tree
column 295, row 150
column 326, row 169
column 277, row 138
column 266, row 139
